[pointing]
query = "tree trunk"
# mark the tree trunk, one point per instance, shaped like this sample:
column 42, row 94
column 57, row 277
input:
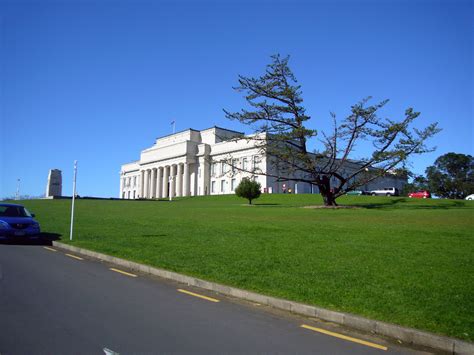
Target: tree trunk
column 250, row 201
column 326, row 192
column 329, row 199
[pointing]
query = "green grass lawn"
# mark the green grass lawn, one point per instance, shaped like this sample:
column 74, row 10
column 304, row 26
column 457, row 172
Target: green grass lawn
column 409, row 262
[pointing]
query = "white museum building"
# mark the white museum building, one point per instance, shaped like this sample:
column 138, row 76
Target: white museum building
column 196, row 163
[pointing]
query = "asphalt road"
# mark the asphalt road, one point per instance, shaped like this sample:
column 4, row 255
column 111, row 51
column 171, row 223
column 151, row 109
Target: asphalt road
column 52, row 303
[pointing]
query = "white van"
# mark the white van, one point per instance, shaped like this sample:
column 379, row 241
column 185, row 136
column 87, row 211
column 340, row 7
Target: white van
column 386, row 191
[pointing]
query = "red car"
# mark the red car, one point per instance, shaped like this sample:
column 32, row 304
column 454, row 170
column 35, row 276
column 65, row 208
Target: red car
column 420, row 194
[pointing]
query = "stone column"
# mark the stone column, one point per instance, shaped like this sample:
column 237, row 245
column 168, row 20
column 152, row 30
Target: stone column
column 204, row 179
column 173, row 181
column 142, row 184
column 186, row 178
column 147, row 183
column 166, row 174
column 179, row 181
column 153, row 183
column 159, row 183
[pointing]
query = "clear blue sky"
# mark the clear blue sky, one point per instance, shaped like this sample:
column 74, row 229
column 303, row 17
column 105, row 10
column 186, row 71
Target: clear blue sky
column 98, row 81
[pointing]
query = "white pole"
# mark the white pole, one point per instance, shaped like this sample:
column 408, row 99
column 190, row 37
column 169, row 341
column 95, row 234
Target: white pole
column 17, row 197
column 73, row 197
column 174, row 126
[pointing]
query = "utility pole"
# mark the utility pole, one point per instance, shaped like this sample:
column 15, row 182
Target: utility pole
column 173, row 123
column 73, row 197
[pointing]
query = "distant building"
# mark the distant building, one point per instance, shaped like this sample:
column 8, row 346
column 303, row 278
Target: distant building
column 198, row 164
column 54, row 187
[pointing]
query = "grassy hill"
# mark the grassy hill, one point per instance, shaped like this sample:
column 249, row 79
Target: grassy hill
column 403, row 261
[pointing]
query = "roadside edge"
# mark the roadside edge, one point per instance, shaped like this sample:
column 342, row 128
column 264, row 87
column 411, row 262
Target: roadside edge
column 406, row 335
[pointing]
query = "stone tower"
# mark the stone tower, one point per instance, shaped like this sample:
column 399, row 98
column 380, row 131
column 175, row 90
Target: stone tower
column 55, row 183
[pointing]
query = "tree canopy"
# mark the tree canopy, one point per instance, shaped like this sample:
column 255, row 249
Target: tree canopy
column 278, row 118
column 452, row 175
column 248, row 189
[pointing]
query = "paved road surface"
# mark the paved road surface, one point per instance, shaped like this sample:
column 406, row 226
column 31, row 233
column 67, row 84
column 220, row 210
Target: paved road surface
column 52, row 303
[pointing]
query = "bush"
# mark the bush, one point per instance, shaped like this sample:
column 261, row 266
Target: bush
column 248, row 189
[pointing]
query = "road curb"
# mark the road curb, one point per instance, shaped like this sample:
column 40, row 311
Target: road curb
column 406, row 335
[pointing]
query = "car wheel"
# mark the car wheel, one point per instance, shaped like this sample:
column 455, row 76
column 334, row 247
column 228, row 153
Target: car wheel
column 388, row 195
column 374, row 194
column 424, row 196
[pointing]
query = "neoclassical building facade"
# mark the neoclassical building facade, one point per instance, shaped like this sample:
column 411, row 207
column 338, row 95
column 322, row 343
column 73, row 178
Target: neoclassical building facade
column 196, row 163
column 191, row 163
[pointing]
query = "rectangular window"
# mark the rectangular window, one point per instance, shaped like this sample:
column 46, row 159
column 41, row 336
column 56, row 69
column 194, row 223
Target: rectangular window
column 222, row 185
column 256, row 162
column 134, row 182
column 235, row 162
column 213, row 186
column 213, row 169
column 232, row 184
column 244, row 164
column 134, row 194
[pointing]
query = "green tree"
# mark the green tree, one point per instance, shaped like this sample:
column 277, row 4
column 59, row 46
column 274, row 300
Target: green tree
column 452, row 175
column 279, row 121
column 418, row 183
column 248, row 189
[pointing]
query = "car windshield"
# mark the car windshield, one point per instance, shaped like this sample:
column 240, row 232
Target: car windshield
column 14, row 211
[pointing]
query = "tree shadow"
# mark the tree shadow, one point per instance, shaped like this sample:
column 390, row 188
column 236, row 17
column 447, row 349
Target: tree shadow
column 416, row 205
column 267, row 204
column 43, row 239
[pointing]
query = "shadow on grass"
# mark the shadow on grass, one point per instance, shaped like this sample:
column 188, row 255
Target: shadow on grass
column 266, row 204
column 43, row 239
column 415, row 205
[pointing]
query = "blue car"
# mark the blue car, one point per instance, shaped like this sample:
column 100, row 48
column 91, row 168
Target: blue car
column 17, row 222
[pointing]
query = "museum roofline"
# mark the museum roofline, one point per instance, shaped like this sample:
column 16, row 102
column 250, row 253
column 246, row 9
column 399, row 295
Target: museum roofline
column 197, row 130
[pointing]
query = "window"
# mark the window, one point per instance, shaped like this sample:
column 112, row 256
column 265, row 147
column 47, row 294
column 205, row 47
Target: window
column 256, row 162
column 235, row 162
column 213, row 186
column 244, row 164
column 123, row 195
column 222, row 185
column 129, row 195
column 213, row 169
column 134, row 182
column 134, row 194
column 225, row 167
column 232, row 184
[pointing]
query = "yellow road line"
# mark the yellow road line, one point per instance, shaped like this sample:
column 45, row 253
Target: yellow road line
column 50, row 249
column 345, row 337
column 75, row 257
column 123, row 272
column 197, row 295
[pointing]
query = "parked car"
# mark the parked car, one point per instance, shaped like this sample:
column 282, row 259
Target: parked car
column 17, row 222
column 420, row 194
column 470, row 197
column 386, row 191
column 355, row 192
